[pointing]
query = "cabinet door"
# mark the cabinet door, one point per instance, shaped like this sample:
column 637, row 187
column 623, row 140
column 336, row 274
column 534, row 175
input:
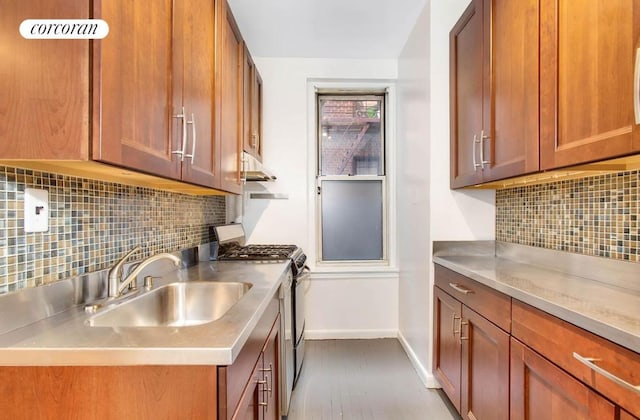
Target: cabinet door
column 587, row 54
column 540, row 390
column 256, row 114
column 466, row 91
column 229, row 100
column 447, row 350
column 44, row 85
column 626, row 416
column 511, row 140
column 247, row 86
column 134, row 73
column 271, row 367
column 197, row 38
column 249, row 407
column 485, row 368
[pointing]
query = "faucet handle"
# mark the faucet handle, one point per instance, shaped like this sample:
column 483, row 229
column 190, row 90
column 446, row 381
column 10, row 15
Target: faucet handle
column 115, row 272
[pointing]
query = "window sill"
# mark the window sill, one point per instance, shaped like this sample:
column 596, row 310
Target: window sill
column 381, row 270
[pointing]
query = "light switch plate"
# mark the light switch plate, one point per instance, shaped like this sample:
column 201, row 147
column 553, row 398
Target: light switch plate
column 36, row 210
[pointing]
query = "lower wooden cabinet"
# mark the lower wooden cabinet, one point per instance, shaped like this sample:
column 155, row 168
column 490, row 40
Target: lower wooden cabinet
column 540, row 390
column 503, row 359
column 485, row 368
column 260, row 399
column 471, row 357
column 447, row 361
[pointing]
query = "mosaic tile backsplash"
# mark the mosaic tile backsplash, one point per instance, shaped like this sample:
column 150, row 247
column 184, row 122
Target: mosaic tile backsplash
column 593, row 216
column 92, row 224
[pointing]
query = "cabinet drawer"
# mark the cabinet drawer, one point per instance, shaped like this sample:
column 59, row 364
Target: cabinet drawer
column 233, row 379
column 558, row 340
column 493, row 305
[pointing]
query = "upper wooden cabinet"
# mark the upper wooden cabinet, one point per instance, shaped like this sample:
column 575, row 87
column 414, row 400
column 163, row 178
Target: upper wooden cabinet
column 542, row 84
column 164, row 87
column 44, row 85
column 494, row 91
column 252, row 120
column 229, row 99
column 467, row 101
column 154, row 107
column 133, row 124
column 588, row 51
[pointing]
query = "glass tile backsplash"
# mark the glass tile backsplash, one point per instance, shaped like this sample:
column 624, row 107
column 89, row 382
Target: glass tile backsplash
column 593, row 216
column 91, row 224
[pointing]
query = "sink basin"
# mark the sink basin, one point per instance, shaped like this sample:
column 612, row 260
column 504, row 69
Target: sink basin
column 174, row 305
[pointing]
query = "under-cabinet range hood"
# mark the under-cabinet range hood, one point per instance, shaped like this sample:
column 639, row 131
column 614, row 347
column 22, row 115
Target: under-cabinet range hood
column 253, row 170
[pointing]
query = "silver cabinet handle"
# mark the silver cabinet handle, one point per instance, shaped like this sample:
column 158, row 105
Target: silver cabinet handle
column 453, row 324
column 460, row 289
column 270, row 378
column 476, row 165
column 589, row 362
column 253, row 139
column 462, row 338
column 181, row 116
column 483, row 137
column 193, row 134
column 636, row 87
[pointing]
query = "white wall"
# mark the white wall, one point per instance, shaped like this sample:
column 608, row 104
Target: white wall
column 338, row 305
column 430, row 210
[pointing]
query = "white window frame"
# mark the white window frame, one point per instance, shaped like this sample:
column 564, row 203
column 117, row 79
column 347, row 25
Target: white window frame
column 389, row 261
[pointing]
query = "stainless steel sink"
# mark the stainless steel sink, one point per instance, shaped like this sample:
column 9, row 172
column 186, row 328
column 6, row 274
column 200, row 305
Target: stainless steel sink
column 174, row 305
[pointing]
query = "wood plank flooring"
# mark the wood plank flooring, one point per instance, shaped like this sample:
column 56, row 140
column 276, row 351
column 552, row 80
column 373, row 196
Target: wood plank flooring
column 363, row 379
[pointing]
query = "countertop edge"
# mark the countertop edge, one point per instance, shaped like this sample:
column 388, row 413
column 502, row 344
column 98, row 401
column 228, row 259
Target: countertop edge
column 144, row 355
column 589, row 324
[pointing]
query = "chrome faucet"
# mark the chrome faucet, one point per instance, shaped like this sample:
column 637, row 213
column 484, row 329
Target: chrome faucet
column 134, row 274
column 115, row 273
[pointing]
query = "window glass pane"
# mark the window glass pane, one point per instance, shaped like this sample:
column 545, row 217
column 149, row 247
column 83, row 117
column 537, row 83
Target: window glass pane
column 351, row 220
column 351, row 139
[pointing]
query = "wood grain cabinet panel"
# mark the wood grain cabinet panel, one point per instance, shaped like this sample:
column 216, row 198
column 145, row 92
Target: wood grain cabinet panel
column 256, row 113
column 470, row 351
column 229, row 99
column 587, row 58
column 494, row 91
column 134, row 99
column 558, row 340
column 161, row 94
column 252, row 107
column 489, row 303
column 44, row 85
column 626, row 416
column 511, row 146
column 154, row 110
column 540, row 390
column 108, row 392
column 466, row 94
column 485, row 368
column 198, row 49
column 270, row 371
column 447, row 355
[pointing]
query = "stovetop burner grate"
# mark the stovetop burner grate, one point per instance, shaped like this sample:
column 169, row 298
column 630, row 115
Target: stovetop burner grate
column 257, row 252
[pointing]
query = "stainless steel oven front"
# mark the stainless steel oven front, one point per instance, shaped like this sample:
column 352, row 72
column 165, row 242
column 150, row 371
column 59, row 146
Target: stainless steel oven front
column 300, row 286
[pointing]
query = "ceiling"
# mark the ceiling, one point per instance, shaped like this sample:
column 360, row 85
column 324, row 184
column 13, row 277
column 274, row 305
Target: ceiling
column 326, row 28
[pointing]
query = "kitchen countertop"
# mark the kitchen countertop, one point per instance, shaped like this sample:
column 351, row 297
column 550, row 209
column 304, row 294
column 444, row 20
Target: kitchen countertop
column 599, row 299
column 66, row 338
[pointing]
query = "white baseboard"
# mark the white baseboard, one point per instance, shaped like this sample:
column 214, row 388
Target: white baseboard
column 426, row 377
column 348, row 334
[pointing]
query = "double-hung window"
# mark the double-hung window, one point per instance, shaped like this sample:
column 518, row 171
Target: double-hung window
column 351, row 178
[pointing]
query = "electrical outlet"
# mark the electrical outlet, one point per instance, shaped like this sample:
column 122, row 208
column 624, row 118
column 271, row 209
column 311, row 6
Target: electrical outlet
column 36, row 210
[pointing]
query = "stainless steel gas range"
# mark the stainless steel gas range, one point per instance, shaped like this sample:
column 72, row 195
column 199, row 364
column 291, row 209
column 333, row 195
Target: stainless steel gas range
column 229, row 245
